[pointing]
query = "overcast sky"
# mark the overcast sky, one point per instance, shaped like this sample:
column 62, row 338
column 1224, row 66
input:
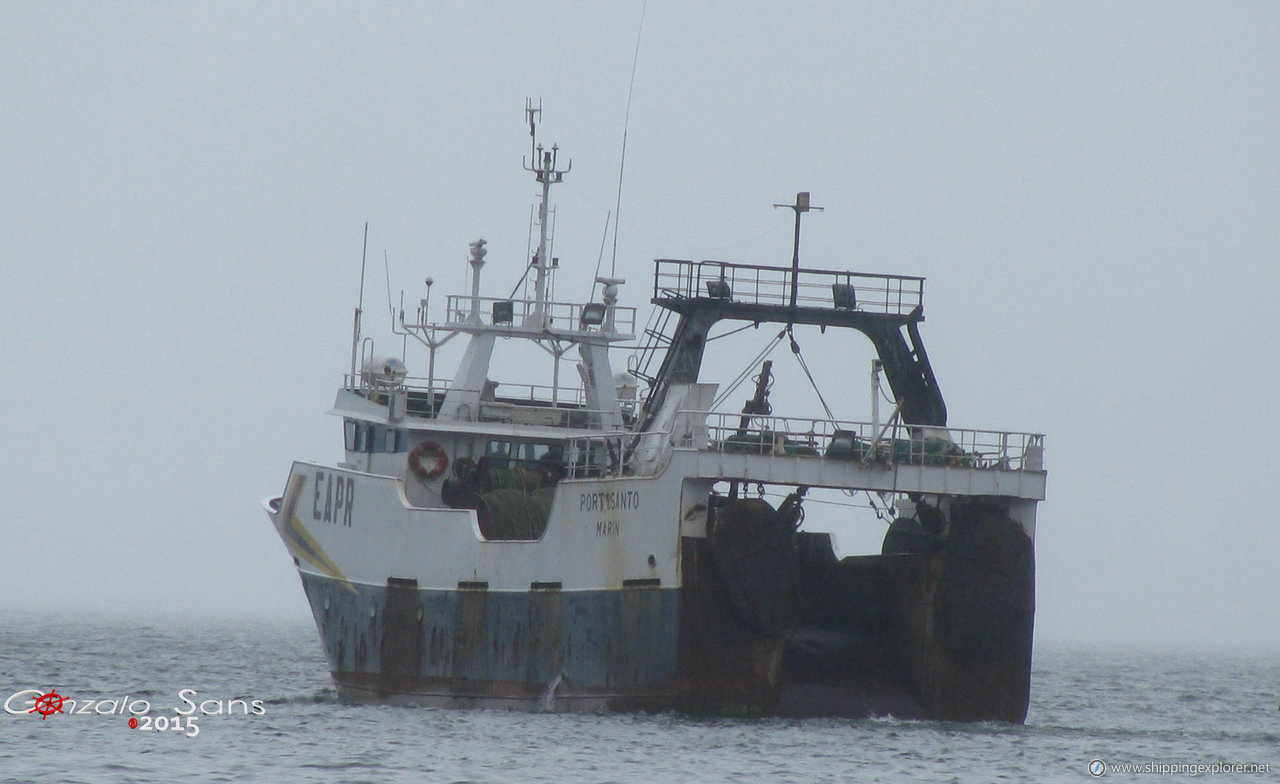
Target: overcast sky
column 1091, row 189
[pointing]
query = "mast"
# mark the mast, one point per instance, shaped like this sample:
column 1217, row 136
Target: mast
column 801, row 206
column 544, row 170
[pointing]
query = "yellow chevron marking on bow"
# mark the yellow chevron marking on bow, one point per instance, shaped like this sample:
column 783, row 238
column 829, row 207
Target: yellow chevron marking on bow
column 299, row 539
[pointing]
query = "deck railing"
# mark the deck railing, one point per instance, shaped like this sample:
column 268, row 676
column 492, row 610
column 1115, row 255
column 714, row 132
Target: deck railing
column 787, row 438
column 867, row 442
column 563, row 315
column 506, row 402
column 896, row 295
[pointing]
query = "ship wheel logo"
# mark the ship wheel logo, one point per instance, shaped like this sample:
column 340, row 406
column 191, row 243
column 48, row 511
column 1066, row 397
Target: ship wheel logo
column 48, row 703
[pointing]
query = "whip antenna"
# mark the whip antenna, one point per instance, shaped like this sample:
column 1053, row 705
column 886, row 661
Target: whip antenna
column 355, row 330
column 622, row 163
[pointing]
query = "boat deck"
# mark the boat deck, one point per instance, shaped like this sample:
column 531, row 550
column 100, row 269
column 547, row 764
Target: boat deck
column 890, row 476
column 851, row 455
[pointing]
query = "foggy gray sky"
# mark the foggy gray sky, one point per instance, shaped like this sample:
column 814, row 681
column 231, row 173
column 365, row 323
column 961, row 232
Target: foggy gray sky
column 1092, row 191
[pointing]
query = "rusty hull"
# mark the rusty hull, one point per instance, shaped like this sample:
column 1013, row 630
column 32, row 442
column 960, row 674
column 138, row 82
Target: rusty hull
column 943, row 636
column 542, row 649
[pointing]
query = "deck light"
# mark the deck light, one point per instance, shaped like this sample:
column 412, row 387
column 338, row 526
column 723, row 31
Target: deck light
column 842, row 294
column 592, row 314
column 719, row 289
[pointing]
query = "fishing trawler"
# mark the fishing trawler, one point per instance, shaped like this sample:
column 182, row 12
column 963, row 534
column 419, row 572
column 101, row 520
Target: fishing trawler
column 610, row 543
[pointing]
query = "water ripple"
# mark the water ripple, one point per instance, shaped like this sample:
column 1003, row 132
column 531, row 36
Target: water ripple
column 1116, row 705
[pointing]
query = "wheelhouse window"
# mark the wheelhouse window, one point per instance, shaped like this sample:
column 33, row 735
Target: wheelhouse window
column 522, row 454
column 498, row 453
column 394, row 441
column 357, row 435
column 532, row 451
column 366, row 437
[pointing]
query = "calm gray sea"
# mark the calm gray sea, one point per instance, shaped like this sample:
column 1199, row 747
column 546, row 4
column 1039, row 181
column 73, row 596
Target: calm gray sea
column 1177, row 709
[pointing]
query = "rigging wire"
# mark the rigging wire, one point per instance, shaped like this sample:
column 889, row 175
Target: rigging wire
column 664, row 237
column 747, row 371
column 887, row 399
column 733, row 332
column 795, row 349
column 520, row 282
column 842, row 504
column 528, row 249
column 885, row 515
column 600, row 257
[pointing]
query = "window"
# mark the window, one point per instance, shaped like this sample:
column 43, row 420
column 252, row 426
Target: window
column 531, row 452
column 524, row 454
column 357, row 435
column 365, row 437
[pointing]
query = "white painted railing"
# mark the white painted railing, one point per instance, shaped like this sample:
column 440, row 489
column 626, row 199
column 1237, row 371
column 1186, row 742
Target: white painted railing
column 564, row 315
column 797, row 437
column 514, row 396
column 865, row 442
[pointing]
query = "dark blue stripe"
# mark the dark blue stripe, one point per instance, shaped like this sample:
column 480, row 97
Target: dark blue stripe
column 498, row 644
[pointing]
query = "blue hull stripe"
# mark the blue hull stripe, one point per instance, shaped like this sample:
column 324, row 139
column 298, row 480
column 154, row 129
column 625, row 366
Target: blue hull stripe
column 384, row 641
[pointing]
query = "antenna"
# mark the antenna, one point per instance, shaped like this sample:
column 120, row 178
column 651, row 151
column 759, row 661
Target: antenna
column 532, row 113
column 386, row 267
column 622, row 162
column 543, row 166
column 355, row 331
column 604, row 239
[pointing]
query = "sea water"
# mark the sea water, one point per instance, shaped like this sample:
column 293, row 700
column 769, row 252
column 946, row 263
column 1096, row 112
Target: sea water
column 252, row 701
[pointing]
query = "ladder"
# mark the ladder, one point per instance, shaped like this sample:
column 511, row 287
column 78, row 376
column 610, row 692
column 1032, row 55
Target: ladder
column 656, row 338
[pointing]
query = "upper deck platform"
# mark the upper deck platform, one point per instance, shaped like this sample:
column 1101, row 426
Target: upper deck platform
column 526, row 318
column 761, row 293
column 882, row 307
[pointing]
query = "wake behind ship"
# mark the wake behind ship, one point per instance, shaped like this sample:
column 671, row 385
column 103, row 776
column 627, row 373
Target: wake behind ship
column 607, row 542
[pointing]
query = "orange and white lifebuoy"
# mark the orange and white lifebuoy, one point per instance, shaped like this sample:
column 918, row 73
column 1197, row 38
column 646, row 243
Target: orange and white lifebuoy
column 428, row 460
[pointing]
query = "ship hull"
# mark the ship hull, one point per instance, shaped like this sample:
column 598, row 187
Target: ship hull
column 943, row 635
column 542, row 649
